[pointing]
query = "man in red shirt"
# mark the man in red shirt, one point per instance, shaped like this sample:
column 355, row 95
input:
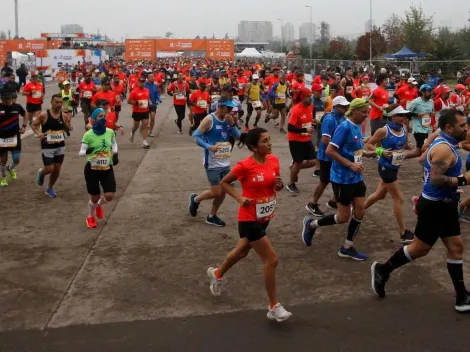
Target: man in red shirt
column 378, row 101
column 199, row 103
column 297, row 85
column 269, row 82
column 119, row 89
column 105, row 93
column 87, row 89
column 300, row 128
column 242, row 82
column 442, row 102
column 139, row 99
column 34, row 95
column 407, row 93
column 180, row 92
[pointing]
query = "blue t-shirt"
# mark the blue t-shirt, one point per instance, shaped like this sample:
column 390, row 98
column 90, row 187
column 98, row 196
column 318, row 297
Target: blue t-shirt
column 328, row 126
column 348, row 140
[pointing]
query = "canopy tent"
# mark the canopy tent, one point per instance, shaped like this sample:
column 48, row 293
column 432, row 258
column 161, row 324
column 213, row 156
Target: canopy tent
column 250, row 52
column 404, row 53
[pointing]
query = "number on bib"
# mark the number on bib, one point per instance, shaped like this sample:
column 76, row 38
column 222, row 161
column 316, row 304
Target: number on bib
column 36, row 94
column 265, row 208
column 179, row 97
column 306, row 125
column 398, row 157
column 215, row 97
column 202, row 104
column 358, row 156
column 87, row 94
column 426, row 121
column 256, row 104
column 9, row 142
column 54, row 137
column 223, row 150
column 100, row 161
column 143, row 104
column 319, row 115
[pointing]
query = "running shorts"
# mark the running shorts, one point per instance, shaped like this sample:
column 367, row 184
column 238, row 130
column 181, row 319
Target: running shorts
column 216, row 175
column 250, row 108
column 117, row 108
column 139, row 116
column 325, row 168
column 86, row 106
column 345, row 194
column 252, row 230
column 95, row 178
column 279, row 106
column 153, row 108
column 301, row 151
column 388, row 175
column 420, row 138
column 53, row 156
column 33, row 107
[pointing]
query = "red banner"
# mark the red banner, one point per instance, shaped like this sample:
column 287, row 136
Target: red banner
column 220, row 49
column 180, row 44
column 140, row 49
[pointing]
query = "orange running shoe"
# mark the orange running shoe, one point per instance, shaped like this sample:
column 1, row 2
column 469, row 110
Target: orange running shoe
column 99, row 212
column 91, row 222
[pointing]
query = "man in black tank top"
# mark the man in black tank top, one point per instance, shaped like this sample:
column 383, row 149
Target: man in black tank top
column 50, row 127
column 347, row 84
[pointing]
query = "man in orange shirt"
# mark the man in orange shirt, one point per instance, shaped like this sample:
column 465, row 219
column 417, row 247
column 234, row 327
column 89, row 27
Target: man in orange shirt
column 442, row 102
column 117, row 88
column 139, row 99
column 105, row 93
column 34, row 91
column 297, row 85
column 378, row 101
column 407, row 93
column 87, row 89
column 61, row 76
column 300, row 128
column 199, row 102
column 180, row 92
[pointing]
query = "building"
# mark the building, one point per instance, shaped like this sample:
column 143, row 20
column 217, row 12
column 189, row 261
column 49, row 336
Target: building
column 255, row 31
column 308, row 31
column 288, row 32
column 71, row 29
column 369, row 25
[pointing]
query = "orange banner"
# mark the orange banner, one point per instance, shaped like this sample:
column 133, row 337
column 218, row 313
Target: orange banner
column 180, row 44
column 220, row 49
column 140, row 49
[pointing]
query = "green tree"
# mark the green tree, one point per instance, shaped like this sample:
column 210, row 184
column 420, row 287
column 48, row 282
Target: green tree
column 417, row 30
column 169, row 35
column 445, row 46
column 379, row 44
column 325, row 35
column 304, row 51
column 393, row 33
column 3, row 35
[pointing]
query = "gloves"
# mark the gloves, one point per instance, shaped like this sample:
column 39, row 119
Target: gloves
column 89, row 151
column 115, row 159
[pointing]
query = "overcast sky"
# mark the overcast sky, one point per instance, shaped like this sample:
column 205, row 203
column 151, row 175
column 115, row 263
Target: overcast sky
column 188, row 18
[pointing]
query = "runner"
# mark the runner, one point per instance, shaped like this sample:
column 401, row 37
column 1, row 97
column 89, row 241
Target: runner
column 34, row 91
column 279, row 93
column 259, row 175
column 378, row 102
column 139, row 99
column 328, row 126
column 457, row 101
column 180, row 92
column 437, row 210
column 87, row 89
column 50, row 127
column 111, row 119
column 67, row 101
column 347, row 84
column 253, row 94
column 345, row 148
column 199, row 102
column 10, row 131
column 242, row 82
column 101, row 149
column 213, row 135
column 105, row 93
column 118, row 88
column 407, row 93
column 154, row 100
column 269, row 83
column 441, row 103
column 300, row 128
column 390, row 143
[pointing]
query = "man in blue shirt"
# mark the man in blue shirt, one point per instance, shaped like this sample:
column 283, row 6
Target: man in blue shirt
column 154, row 100
column 328, row 125
column 345, row 149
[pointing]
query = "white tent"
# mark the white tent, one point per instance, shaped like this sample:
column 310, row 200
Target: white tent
column 250, row 52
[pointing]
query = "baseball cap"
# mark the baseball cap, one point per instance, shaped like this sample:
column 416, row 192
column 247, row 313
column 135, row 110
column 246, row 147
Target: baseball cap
column 446, row 89
column 100, row 102
column 224, row 101
column 65, row 83
column 412, row 80
column 425, row 87
column 467, row 81
column 304, row 93
column 356, row 104
column 340, row 100
column 398, row 111
column 255, row 76
column 317, row 87
column 459, row 87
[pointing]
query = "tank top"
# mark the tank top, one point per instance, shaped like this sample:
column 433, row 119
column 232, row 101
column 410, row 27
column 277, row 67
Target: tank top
column 348, row 89
column 67, row 102
column 281, row 92
column 396, row 144
column 54, row 129
column 218, row 134
column 444, row 107
column 442, row 193
column 255, row 90
column 215, row 92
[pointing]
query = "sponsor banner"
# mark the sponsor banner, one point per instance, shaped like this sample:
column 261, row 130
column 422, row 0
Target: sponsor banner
column 220, row 49
column 180, row 44
column 140, row 49
column 61, row 35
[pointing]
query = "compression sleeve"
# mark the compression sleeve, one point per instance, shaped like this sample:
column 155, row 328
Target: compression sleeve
column 294, row 129
column 235, row 132
column 197, row 136
column 83, row 149
column 114, row 146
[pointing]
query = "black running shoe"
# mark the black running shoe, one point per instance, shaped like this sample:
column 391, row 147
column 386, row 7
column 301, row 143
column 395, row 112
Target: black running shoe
column 314, row 210
column 292, row 188
column 215, row 221
column 407, row 237
column 332, row 205
column 462, row 304
column 316, row 173
column 379, row 280
column 193, row 206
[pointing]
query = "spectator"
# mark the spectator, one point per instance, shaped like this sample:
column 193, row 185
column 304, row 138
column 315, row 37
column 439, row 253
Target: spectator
column 11, row 84
column 22, row 73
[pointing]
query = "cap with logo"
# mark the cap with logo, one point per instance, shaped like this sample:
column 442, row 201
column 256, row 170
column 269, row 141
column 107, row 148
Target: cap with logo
column 340, row 100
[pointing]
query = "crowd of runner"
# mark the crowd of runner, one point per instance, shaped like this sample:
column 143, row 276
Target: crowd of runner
column 323, row 120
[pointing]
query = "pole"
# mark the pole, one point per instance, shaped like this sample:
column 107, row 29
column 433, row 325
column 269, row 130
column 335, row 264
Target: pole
column 370, row 35
column 16, row 20
column 282, row 34
column 311, row 32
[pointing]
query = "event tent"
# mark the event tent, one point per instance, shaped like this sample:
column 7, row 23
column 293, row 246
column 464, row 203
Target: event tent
column 250, row 52
column 404, row 53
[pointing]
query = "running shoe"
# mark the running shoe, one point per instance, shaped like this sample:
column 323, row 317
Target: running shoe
column 378, row 279
column 151, row 135
column 12, row 173
column 282, row 131
column 351, row 253
column 291, row 164
column 50, row 192
column 422, row 179
column 415, row 203
column 215, row 220
column 145, row 145
column 180, row 131
column 99, row 212
column 276, row 124
column 462, row 304
column 215, row 283
column 314, row 210
column 316, row 173
column 292, row 188
column 278, row 313
column 131, row 138
column 266, row 119
column 308, row 231
column 193, row 205
column 332, row 205
column 40, row 178
column 407, row 237
column 3, row 182
column 91, row 222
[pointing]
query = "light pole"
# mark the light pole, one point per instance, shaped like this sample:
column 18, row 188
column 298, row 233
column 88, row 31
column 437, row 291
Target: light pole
column 311, row 31
column 282, row 34
column 370, row 35
column 16, row 20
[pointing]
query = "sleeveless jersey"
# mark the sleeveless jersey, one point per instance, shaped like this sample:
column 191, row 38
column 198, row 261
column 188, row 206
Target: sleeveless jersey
column 396, row 144
column 218, row 134
column 54, row 129
column 255, row 91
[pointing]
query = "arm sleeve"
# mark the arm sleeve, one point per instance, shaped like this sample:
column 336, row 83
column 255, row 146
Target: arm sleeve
column 114, row 145
column 294, row 129
column 235, row 132
column 83, row 149
column 197, row 136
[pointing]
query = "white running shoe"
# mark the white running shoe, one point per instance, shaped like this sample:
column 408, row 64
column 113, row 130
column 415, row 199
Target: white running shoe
column 145, row 145
column 278, row 313
column 215, row 283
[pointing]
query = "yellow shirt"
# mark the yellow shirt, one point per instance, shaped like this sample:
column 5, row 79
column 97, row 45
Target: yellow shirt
column 255, row 92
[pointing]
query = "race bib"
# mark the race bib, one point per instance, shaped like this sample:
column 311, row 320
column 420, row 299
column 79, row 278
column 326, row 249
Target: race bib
column 319, row 115
column 121, row 82
column 9, row 142
column 36, row 94
column 281, row 96
column 358, row 156
column 306, row 125
column 398, row 157
column 143, row 104
column 179, row 97
column 426, row 121
column 366, row 98
column 256, row 104
column 54, row 137
column 100, row 161
column 265, row 208
column 241, row 87
column 202, row 104
column 87, row 94
column 215, row 98
column 235, row 97
column 223, row 150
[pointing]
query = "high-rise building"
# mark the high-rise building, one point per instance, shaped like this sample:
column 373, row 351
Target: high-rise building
column 288, row 32
column 255, row 31
column 71, row 29
column 308, row 31
column 369, row 25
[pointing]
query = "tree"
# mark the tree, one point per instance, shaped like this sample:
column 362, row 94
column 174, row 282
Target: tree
column 445, row 46
column 339, row 48
column 325, row 35
column 304, row 51
column 197, row 37
column 3, row 35
column 169, row 35
column 379, row 44
column 9, row 34
column 226, row 36
column 392, row 31
column 417, row 30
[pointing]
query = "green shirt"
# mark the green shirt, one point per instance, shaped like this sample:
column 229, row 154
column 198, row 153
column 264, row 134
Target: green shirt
column 101, row 145
column 417, row 106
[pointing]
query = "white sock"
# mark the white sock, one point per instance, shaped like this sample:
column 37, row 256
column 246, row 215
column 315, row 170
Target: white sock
column 91, row 208
column 102, row 201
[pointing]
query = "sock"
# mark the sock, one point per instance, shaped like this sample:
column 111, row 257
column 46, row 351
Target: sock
column 102, row 201
column 211, row 216
column 455, row 269
column 272, row 306
column 353, row 228
column 144, row 141
column 216, row 274
column 3, row 169
column 195, row 200
column 91, row 208
column 401, row 257
column 326, row 221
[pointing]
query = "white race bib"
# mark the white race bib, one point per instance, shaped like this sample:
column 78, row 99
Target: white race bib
column 143, row 104
column 223, row 150
column 202, row 104
column 54, row 137
column 179, row 97
column 215, row 97
column 256, row 104
column 36, row 94
column 265, row 208
column 241, row 86
column 87, row 94
column 398, row 157
column 121, row 81
column 9, row 142
column 358, row 156
column 281, row 96
column 426, row 121
column 100, row 161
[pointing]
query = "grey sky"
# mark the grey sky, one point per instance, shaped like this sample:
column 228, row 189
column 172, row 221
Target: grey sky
column 188, row 18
